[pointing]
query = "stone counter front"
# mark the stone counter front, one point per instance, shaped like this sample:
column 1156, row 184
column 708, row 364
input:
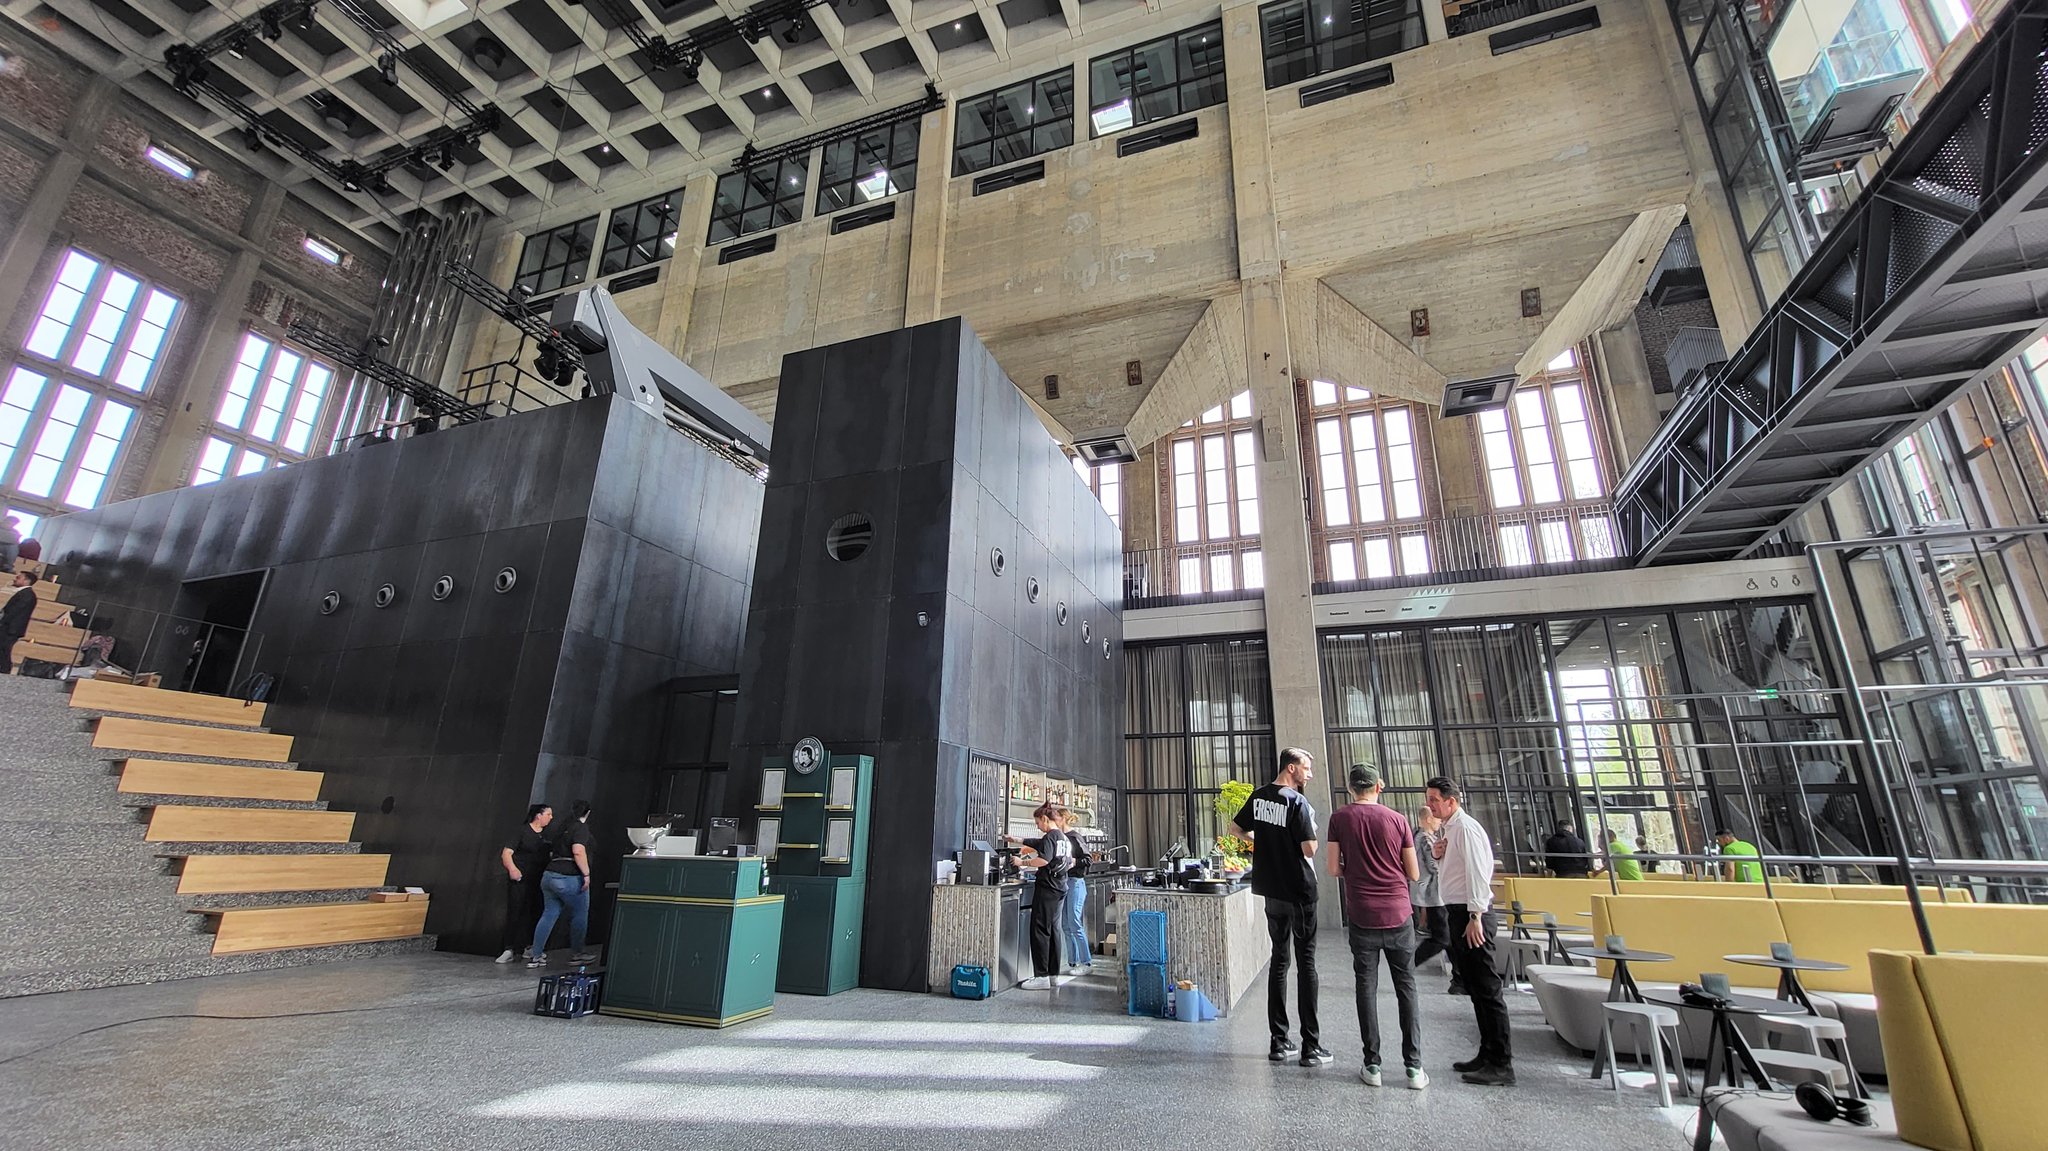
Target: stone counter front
column 1218, row 941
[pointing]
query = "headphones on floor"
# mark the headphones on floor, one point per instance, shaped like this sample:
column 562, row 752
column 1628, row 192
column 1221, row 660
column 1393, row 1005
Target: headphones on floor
column 1826, row 1106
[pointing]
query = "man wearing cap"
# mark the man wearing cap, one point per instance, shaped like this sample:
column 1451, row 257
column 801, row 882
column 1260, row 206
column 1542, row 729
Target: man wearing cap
column 1372, row 853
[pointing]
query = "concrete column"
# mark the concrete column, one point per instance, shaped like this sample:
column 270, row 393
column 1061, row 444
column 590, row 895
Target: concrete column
column 929, row 206
column 1624, row 371
column 197, row 397
column 1268, row 372
column 679, row 293
column 31, row 235
column 1433, row 21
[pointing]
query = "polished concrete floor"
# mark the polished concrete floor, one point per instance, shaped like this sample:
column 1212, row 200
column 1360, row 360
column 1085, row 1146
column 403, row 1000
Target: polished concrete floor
column 440, row 1051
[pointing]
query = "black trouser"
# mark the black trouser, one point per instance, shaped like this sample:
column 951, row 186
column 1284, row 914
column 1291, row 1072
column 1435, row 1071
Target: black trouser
column 1398, row 943
column 522, row 911
column 1436, row 934
column 1296, row 923
column 1474, row 966
column 1045, row 931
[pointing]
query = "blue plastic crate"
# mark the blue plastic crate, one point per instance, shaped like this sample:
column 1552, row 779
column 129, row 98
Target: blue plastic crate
column 1149, row 990
column 567, row 996
column 1146, row 937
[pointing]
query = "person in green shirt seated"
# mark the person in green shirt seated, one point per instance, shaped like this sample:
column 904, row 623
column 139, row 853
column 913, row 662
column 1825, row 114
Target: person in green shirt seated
column 1621, row 857
column 1738, row 872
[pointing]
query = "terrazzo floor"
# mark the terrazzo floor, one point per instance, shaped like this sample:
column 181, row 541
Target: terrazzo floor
column 440, row 1051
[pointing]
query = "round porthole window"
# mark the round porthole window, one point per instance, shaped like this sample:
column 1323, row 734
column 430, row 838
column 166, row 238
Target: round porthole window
column 444, row 587
column 508, row 578
column 1031, row 588
column 386, row 595
column 1062, row 613
column 1084, row 631
column 330, row 603
column 997, row 561
column 849, row 536
column 1105, row 649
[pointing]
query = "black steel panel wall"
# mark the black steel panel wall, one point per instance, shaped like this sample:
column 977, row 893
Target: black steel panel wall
column 438, row 721
column 922, row 432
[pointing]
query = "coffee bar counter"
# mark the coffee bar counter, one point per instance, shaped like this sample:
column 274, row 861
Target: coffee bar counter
column 1217, row 940
column 987, row 925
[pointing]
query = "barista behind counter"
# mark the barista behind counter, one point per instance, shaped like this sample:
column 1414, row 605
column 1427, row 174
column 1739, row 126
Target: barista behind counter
column 984, row 917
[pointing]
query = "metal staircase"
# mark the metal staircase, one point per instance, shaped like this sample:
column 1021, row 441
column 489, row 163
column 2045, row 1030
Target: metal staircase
column 1936, row 278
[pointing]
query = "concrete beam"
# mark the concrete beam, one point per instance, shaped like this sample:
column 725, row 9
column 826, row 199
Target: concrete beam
column 1608, row 294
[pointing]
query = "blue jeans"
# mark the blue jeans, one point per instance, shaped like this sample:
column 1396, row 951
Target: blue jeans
column 558, row 891
column 1073, row 935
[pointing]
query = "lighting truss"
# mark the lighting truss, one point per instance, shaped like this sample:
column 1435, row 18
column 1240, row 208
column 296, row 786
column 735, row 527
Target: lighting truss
column 190, row 74
column 426, row 398
column 687, row 52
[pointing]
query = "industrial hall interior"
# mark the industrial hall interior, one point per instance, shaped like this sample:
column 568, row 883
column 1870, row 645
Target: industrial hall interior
column 911, row 573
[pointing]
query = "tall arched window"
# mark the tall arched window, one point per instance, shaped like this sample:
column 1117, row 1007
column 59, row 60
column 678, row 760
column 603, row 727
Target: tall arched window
column 1209, row 472
column 1546, row 475
column 1369, row 457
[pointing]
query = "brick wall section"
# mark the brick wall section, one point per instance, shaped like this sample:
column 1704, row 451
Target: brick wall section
column 1659, row 325
column 357, row 280
column 219, row 197
column 38, row 92
column 19, row 172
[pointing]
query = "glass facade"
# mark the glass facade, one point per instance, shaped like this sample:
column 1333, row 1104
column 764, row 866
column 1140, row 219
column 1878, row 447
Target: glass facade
column 1197, row 715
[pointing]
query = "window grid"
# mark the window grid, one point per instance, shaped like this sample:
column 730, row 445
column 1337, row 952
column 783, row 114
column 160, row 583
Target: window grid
column 61, row 440
column 871, row 166
column 1156, row 80
column 1371, row 505
column 1209, row 469
column 758, row 199
column 641, row 234
column 126, row 322
column 557, row 258
column 1305, row 38
column 269, row 409
column 1107, row 482
column 1017, row 122
column 1545, row 475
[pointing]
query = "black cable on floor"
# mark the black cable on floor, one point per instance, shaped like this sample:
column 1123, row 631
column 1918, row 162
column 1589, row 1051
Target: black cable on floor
column 55, row 1043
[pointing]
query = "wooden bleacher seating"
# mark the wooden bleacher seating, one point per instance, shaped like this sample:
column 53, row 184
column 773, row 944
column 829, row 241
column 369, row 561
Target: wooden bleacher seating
column 241, row 874
column 169, row 823
column 244, row 929
column 126, row 699
column 118, row 733
column 217, row 780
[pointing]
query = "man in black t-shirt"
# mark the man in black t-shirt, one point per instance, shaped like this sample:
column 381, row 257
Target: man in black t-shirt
column 565, row 886
column 1281, row 823
column 523, row 857
column 1565, row 853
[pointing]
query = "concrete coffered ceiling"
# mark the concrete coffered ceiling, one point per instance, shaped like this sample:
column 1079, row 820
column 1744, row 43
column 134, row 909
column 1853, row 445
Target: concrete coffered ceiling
column 587, row 122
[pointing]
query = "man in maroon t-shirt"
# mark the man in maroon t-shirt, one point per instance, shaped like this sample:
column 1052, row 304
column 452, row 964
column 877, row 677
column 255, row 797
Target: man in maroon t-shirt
column 1372, row 849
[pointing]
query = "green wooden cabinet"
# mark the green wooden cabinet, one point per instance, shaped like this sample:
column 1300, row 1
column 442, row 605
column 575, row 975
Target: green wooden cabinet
column 693, row 941
column 813, row 826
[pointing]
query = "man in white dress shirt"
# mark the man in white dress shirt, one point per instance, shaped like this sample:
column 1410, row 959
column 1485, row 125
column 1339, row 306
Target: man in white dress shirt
column 1466, row 880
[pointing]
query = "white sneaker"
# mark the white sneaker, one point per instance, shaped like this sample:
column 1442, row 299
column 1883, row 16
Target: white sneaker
column 507, row 957
column 1370, row 1076
column 1037, row 983
column 1417, row 1078
column 540, row 960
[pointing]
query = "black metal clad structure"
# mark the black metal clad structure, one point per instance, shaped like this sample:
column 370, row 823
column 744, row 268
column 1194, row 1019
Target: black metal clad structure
column 920, row 432
column 632, row 549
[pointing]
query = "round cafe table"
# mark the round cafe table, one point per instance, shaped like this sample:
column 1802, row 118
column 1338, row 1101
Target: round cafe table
column 1622, row 989
column 1789, row 988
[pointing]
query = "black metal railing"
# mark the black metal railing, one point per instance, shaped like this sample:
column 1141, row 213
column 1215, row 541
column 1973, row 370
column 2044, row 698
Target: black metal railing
column 190, row 654
column 1465, row 19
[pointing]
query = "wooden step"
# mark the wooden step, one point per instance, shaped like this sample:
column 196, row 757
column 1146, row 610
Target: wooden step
column 244, row 874
column 122, row 734
column 216, row 780
column 127, row 699
column 48, row 610
column 314, row 925
column 56, row 634
column 30, row 649
column 48, row 589
column 173, row 823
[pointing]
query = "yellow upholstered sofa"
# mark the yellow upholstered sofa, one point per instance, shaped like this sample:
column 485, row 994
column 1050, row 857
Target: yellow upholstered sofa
column 1966, row 1033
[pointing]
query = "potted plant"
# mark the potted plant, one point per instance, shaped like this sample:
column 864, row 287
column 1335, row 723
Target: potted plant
column 1237, row 850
